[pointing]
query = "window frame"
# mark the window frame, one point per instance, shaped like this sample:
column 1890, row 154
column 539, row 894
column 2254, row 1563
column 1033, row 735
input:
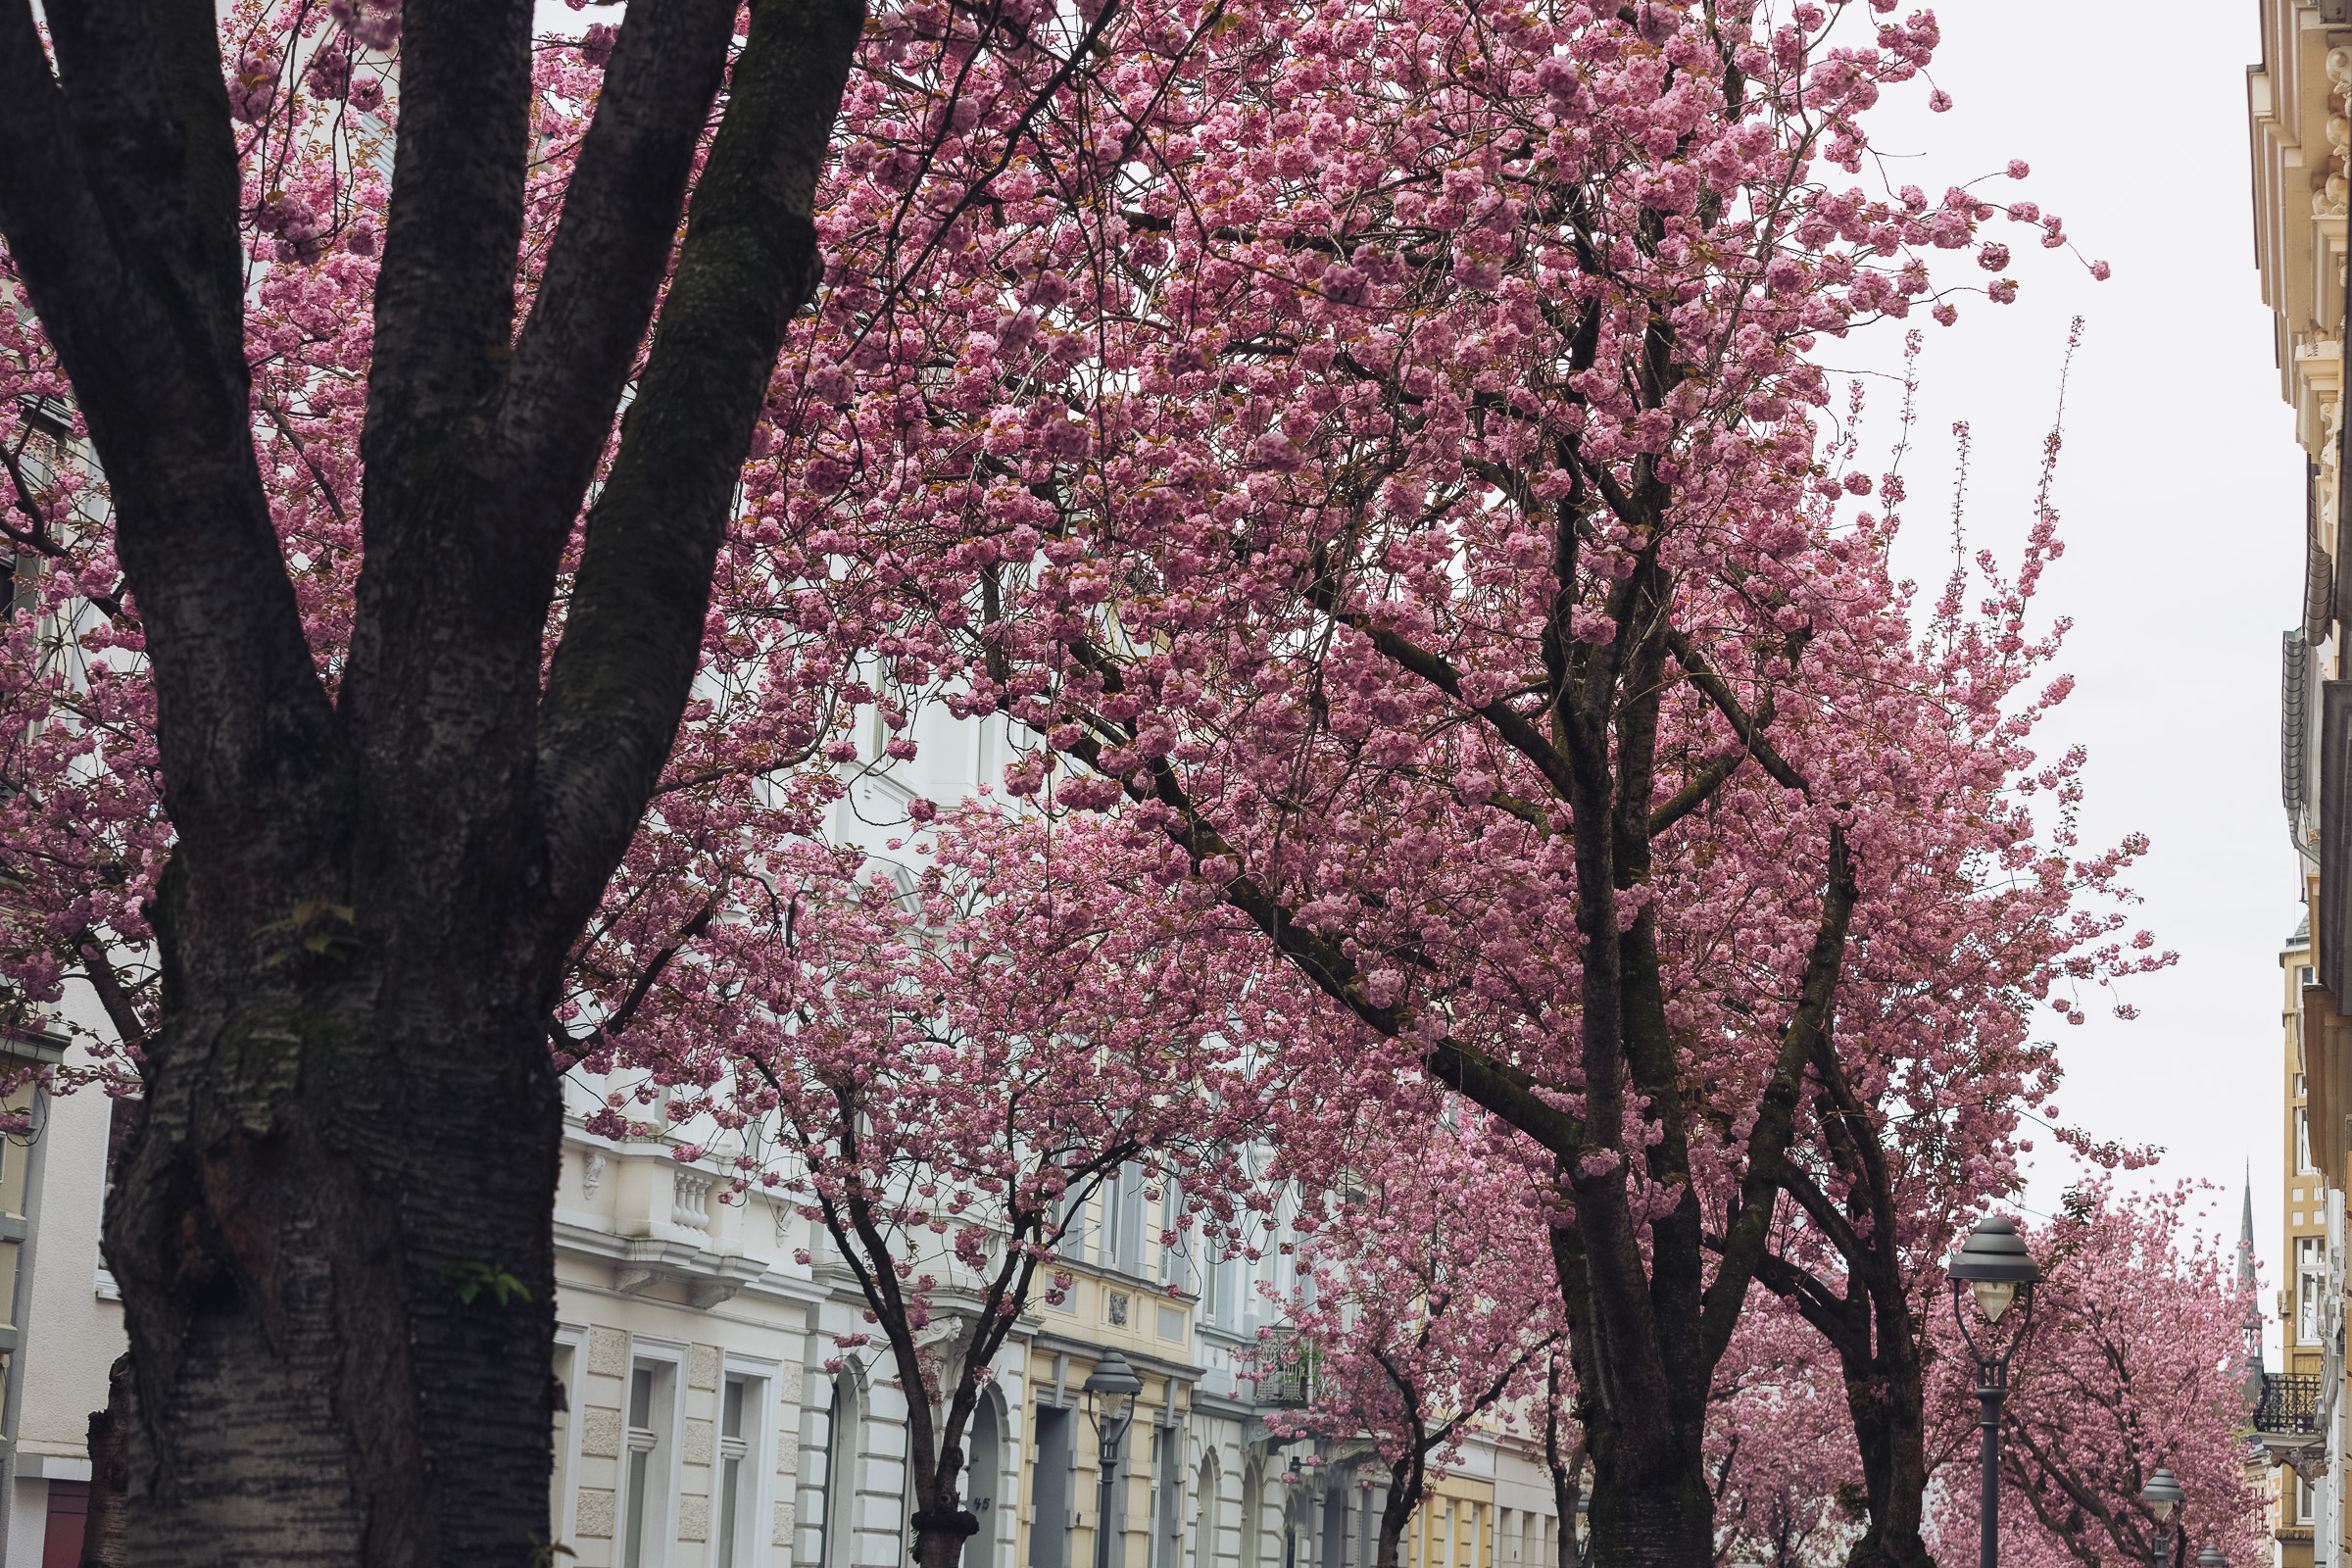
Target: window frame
column 571, row 1356
column 666, row 1359
column 762, row 1381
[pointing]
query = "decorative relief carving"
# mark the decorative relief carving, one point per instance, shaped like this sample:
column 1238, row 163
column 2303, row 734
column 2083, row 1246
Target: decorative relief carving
column 592, row 1172
column 2328, row 199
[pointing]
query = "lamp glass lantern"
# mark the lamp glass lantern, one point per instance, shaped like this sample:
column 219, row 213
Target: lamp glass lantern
column 1111, row 1389
column 1994, row 1270
column 2162, row 1493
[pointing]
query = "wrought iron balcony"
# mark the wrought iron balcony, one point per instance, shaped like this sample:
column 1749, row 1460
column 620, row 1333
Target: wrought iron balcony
column 1286, row 1373
column 2289, row 1402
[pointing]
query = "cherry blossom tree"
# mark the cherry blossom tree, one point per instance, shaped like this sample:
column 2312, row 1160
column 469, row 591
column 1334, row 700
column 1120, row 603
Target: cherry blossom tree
column 1914, row 1126
column 1426, row 1304
column 1384, row 452
column 2135, row 1359
column 941, row 1077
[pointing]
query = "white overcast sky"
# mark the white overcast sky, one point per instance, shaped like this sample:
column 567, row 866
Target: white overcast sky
column 2181, row 509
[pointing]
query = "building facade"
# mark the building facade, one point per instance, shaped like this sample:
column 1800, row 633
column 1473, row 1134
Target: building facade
column 2300, row 130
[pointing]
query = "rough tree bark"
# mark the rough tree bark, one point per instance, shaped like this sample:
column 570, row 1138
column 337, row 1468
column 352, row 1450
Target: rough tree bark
column 102, row 1527
column 335, row 1139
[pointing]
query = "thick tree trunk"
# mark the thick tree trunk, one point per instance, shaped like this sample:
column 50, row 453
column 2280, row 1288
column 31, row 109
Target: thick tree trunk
column 1394, row 1514
column 333, row 1238
column 1661, row 1515
column 332, row 1230
column 1650, row 1505
column 940, row 1534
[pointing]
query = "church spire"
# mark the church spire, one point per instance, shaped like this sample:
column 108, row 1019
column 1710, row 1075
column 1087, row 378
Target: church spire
column 2245, row 1233
column 2247, row 1280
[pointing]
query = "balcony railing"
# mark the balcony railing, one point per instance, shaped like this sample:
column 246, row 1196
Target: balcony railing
column 1286, row 1373
column 2289, row 1402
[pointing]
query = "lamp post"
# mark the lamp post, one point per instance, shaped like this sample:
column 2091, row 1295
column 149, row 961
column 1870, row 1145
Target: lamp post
column 2211, row 1557
column 1111, row 1389
column 2163, row 1494
column 1994, row 1270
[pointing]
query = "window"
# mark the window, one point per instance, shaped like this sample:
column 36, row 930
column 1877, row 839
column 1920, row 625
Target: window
column 2303, row 1165
column 2311, row 1281
column 2302, row 1087
column 647, row 1464
column 2307, row 974
column 1123, row 1221
column 732, row 1450
column 559, row 1504
column 124, row 1115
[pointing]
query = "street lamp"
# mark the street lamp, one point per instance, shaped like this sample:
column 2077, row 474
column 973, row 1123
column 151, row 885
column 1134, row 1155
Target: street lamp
column 2163, row 1494
column 1111, row 1389
column 1995, row 1270
column 2211, row 1557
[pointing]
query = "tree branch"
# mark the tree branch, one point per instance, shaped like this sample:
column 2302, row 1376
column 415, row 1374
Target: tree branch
column 445, row 294
column 1767, row 1142
column 611, row 247
column 622, row 673
column 1700, row 787
column 1748, row 727
column 118, row 192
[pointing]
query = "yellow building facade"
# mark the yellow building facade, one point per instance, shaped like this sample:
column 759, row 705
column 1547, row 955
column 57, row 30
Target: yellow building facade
column 2300, row 134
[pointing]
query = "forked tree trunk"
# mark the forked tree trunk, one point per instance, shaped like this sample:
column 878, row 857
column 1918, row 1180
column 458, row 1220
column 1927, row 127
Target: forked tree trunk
column 332, row 1230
